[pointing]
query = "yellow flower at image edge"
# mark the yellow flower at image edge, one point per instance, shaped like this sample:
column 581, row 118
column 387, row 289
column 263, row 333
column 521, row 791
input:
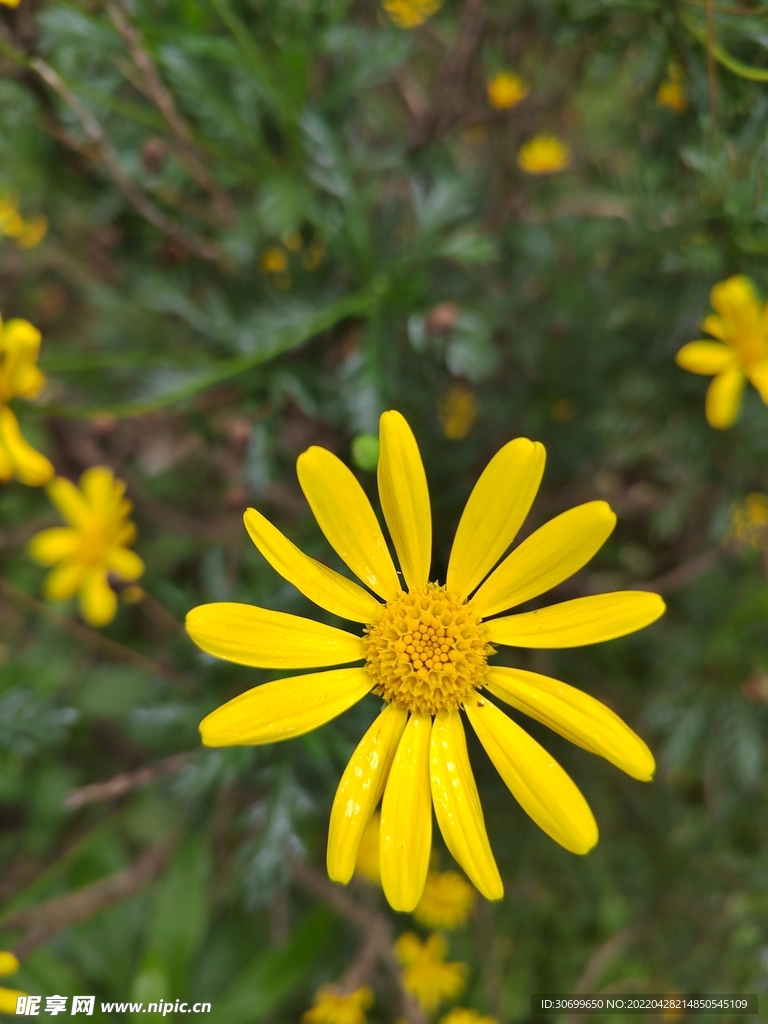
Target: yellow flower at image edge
column 94, row 545
column 333, row 1008
column 544, row 154
column 19, row 378
column 8, row 996
column 740, row 324
column 749, row 521
column 425, row 973
column 411, row 13
column 460, row 1015
column 506, row 90
column 446, row 902
column 425, row 651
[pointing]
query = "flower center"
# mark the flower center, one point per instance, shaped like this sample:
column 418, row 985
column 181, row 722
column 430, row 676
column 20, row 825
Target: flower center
column 427, row 650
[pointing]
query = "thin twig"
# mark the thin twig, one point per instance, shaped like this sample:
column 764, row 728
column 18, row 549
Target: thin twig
column 685, row 573
column 44, row 920
column 90, row 637
column 165, row 103
column 369, row 923
column 147, row 209
column 123, row 783
column 711, row 67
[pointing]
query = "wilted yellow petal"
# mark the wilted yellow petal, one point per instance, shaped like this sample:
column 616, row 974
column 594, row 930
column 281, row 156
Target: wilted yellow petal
column 535, row 779
column 405, row 498
column 457, row 806
column 550, row 555
column 406, row 818
column 345, row 516
column 50, row 546
column 575, row 715
column 723, row 402
column 495, row 511
column 284, row 708
column 585, row 620
column 360, row 790
column 98, row 601
column 262, row 638
column 324, row 586
column 706, row 357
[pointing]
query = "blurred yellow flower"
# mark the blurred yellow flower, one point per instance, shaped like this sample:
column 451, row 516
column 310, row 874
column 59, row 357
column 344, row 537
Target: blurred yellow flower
column 460, row 1015
column 274, row 260
column 446, row 902
column 749, row 521
column 313, row 256
column 34, row 232
column 93, row 546
column 19, row 378
column 333, row 1008
column 367, row 863
column 27, row 233
column 506, row 89
column 671, row 92
column 8, row 996
column 544, row 154
column 741, row 352
column 292, row 241
column 425, row 651
column 425, row 973
column 411, row 13
column 457, row 411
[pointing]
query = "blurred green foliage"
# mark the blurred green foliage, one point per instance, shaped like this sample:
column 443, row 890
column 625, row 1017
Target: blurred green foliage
column 359, row 238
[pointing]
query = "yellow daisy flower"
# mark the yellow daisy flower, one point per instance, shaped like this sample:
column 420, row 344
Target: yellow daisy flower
column 740, row 324
column 425, row 973
column 460, row 1015
column 425, row 652
column 544, row 154
column 367, row 861
column 446, row 902
column 333, row 1008
column 411, row 13
column 505, row 90
column 19, row 378
column 94, row 545
column 671, row 92
column 8, row 996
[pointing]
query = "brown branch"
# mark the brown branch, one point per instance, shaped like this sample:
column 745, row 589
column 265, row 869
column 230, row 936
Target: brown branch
column 147, row 209
column 685, row 573
column 90, row 637
column 376, row 928
column 44, row 920
column 165, row 103
column 126, row 781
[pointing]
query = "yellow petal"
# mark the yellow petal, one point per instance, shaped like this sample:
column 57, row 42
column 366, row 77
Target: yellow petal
column 125, row 563
column 102, row 493
column 457, row 806
column 8, row 963
column 758, row 377
column 50, row 546
column 535, row 779
column 30, row 466
column 723, row 402
column 69, row 501
column 284, row 708
column 550, row 555
column 575, row 715
column 6, row 466
column 64, row 581
column 98, row 601
column 406, row 818
column 405, row 498
column 345, row 516
column 326, row 588
column 265, row 639
column 360, row 790
column 585, row 620
column 706, row 357
column 9, row 996
column 495, row 511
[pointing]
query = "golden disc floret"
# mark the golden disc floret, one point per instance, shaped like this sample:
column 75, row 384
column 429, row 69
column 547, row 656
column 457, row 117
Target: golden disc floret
column 427, row 650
